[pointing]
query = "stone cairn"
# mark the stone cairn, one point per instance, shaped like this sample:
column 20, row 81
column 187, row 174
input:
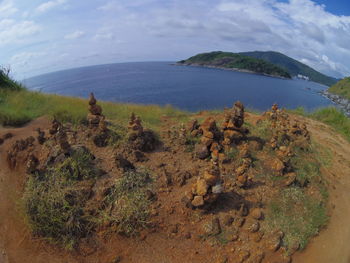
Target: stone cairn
column 139, row 138
column 32, row 164
column 135, row 127
column 232, row 126
column 62, row 140
column 18, row 147
column 41, row 136
column 285, row 135
column 210, row 140
column 207, row 188
column 193, row 128
column 242, row 169
column 55, row 125
column 95, row 118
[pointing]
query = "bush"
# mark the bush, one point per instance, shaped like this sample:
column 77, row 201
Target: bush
column 129, row 202
column 55, row 203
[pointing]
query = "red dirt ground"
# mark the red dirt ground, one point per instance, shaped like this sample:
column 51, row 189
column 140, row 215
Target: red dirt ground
column 163, row 246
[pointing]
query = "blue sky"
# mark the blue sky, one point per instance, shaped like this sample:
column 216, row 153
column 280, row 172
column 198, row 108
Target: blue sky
column 40, row 36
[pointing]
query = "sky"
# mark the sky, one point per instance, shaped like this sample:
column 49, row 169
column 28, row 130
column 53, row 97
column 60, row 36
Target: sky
column 40, row 36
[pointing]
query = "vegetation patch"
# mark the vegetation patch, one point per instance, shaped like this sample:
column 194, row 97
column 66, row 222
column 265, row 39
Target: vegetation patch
column 297, row 214
column 341, row 88
column 54, row 202
column 128, row 202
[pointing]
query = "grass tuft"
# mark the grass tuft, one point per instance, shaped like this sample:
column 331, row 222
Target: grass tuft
column 298, row 215
column 129, row 202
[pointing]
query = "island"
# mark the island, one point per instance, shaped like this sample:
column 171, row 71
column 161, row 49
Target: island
column 237, row 62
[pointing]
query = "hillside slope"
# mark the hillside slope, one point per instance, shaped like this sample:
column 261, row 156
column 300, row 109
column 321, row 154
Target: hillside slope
column 293, row 66
column 228, row 60
column 341, row 88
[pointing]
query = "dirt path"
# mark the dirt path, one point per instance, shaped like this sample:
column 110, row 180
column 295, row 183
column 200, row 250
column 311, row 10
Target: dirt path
column 332, row 245
column 16, row 243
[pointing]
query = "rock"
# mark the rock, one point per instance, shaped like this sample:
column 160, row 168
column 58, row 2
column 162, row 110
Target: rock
column 197, row 201
column 243, row 211
column 239, row 221
column 41, row 136
column 212, row 228
column 32, row 164
column 258, row 257
column 123, row 163
column 7, row 135
column 274, row 243
column 201, row 151
column 222, row 259
column 277, row 166
column 217, row 189
column 243, row 256
column 201, row 187
column 62, row 140
column 290, row 178
column 227, row 220
column 257, row 214
column 210, row 179
column 117, row 259
column 254, row 227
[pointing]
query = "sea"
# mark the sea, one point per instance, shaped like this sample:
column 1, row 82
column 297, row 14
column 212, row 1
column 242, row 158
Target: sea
column 185, row 87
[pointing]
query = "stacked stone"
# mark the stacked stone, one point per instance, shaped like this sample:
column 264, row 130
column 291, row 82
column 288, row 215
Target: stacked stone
column 182, row 134
column 62, row 141
column 193, row 128
column 32, row 164
column 209, row 143
column 241, row 171
column 232, row 126
column 208, row 187
column 41, row 136
column 95, row 117
column 17, row 147
column 55, row 125
column 135, row 127
column 140, row 139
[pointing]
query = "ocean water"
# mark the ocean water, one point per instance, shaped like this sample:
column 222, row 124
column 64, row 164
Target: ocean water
column 184, row 87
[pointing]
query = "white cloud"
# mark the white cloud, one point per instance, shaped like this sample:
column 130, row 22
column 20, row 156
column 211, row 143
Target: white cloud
column 7, row 9
column 104, row 36
column 75, row 35
column 45, row 7
column 13, row 31
column 22, row 59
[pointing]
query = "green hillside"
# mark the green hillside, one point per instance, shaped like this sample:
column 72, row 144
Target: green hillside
column 341, row 88
column 236, row 61
column 293, row 66
column 7, row 83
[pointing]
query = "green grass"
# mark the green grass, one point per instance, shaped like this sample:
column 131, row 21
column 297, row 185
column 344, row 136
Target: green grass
column 298, row 215
column 54, row 205
column 341, row 88
column 128, row 202
column 330, row 116
column 17, row 108
column 6, row 82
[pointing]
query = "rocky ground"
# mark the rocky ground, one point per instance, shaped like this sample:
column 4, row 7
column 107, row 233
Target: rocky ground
column 203, row 193
column 342, row 103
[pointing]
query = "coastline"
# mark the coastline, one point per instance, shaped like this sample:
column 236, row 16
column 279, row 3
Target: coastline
column 229, row 69
column 342, row 103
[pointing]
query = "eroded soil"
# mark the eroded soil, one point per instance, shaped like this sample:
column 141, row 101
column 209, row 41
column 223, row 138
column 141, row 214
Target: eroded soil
column 176, row 239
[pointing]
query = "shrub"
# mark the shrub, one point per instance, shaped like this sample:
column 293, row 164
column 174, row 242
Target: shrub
column 54, row 202
column 130, row 202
